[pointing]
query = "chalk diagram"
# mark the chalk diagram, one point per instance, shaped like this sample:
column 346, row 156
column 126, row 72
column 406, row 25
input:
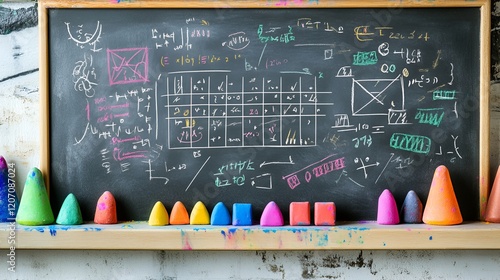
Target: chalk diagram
column 378, row 97
column 81, row 38
column 126, row 66
column 212, row 111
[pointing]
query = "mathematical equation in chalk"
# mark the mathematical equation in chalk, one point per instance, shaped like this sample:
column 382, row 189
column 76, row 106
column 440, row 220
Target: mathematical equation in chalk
column 284, row 103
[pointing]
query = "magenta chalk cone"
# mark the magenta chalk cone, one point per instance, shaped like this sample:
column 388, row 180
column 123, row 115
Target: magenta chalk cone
column 387, row 209
column 271, row 216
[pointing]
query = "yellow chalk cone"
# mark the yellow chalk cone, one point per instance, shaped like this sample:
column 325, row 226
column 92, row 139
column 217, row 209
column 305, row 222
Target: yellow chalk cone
column 199, row 215
column 159, row 215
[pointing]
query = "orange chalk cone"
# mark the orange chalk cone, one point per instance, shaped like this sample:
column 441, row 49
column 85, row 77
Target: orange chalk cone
column 179, row 215
column 492, row 213
column 442, row 206
column 105, row 211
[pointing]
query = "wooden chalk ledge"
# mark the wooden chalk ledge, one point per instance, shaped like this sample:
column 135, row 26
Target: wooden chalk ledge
column 344, row 236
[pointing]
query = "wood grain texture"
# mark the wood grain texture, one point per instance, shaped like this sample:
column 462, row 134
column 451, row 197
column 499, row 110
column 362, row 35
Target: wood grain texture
column 259, row 4
column 346, row 236
column 44, row 96
column 484, row 118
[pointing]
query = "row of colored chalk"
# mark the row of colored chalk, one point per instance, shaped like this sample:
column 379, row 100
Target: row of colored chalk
column 34, row 209
column 325, row 215
column 441, row 209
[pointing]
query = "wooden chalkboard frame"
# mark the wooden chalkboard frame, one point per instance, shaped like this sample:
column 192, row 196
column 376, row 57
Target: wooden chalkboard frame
column 370, row 235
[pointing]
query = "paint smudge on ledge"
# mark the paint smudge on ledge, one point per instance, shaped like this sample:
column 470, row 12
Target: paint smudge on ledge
column 120, row 1
column 185, row 241
column 284, row 3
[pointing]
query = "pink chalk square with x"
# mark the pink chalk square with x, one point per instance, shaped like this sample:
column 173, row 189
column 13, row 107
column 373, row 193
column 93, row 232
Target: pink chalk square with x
column 300, row 214
column 126, row 66
column 324, row 213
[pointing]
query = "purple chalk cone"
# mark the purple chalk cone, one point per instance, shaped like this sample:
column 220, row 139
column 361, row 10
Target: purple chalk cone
column 9, row 202
column 387, row 209
column 412, row 209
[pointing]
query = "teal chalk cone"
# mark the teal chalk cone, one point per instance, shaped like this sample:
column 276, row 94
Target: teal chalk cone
column 70, row 213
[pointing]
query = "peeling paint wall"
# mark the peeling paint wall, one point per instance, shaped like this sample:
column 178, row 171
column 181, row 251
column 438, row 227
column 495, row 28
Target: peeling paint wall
column 19, row 143
column 256, row 265
column 19, row 113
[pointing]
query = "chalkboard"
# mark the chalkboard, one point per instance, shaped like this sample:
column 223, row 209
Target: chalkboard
column 253, row 105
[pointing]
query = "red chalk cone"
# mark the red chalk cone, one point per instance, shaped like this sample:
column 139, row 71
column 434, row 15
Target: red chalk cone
column 492, row 213
column 442, row 205
column 105, row 212
column 388, row 213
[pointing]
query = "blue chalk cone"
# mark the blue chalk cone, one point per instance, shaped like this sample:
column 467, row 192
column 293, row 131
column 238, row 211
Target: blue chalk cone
column 9, row 203
column 220, row 215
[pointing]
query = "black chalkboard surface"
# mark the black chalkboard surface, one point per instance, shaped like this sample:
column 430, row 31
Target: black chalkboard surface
column 254, row 105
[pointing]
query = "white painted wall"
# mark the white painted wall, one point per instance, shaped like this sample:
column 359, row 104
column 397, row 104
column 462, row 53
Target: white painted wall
column 19, row 143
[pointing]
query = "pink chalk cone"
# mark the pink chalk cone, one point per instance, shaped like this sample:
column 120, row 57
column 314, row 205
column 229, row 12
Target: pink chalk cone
column 271, row 216
column 388, row 213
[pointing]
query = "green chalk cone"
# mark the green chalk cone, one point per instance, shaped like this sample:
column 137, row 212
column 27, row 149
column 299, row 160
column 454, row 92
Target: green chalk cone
column 70, row 213
column 34, row 208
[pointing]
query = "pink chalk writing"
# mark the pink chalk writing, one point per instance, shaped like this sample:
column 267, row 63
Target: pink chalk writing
column 318, row 169
column 111, row 107
column 116, row 140
column 118, row 155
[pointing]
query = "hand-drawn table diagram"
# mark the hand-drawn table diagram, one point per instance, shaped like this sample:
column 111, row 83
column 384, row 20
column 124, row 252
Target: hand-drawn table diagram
column 210, row 110
column 289, row 105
